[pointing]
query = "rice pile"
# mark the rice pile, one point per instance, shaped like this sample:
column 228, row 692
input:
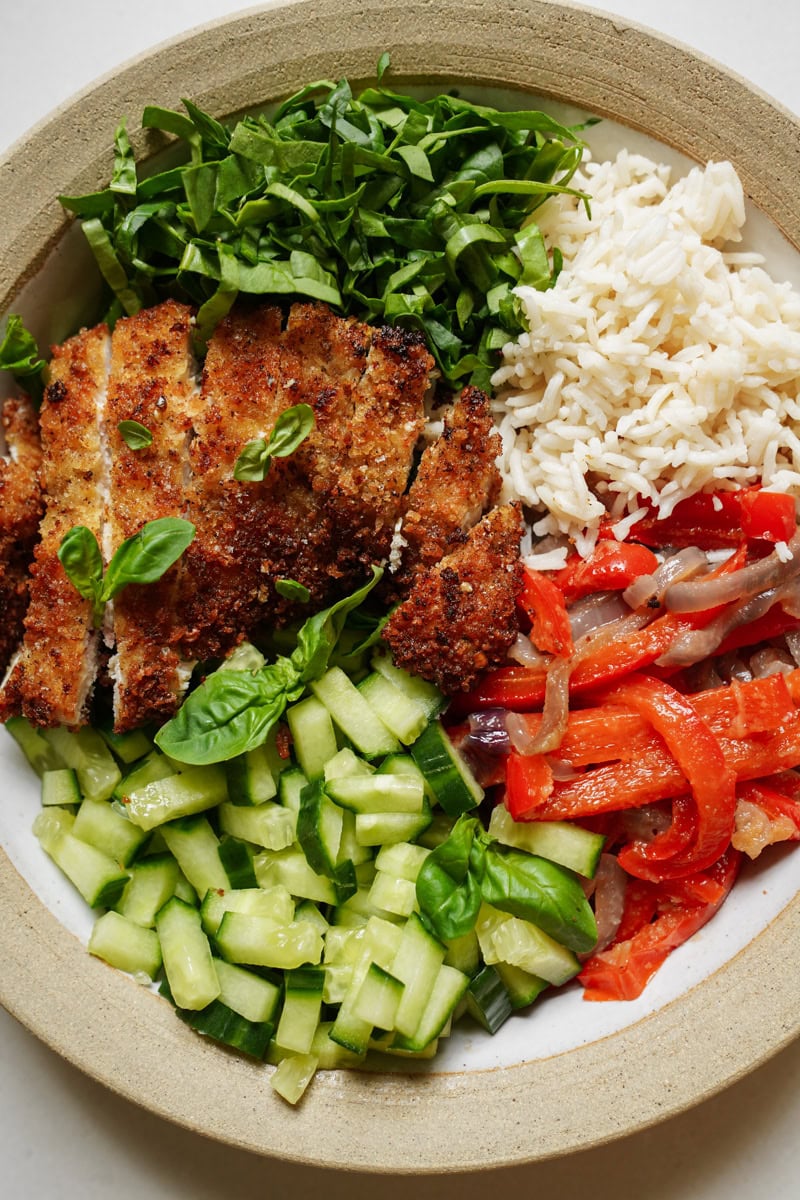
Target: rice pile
column 658, row 364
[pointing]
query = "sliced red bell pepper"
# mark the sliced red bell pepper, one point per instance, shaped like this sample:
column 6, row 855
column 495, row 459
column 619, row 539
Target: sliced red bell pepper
column 644, row 860
column 773, row 802
column 529, row 781
column 622, row 971
column 713, row 520
column 699, row 755
column 543, row 604
column 773, row 623
column 611, row 567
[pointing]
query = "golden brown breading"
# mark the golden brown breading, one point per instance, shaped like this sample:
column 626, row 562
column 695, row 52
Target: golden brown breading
column 456, row 483
column 51, row 680
column 20, row 513
column 460, row 616
column 323, row 514
column 152, row 382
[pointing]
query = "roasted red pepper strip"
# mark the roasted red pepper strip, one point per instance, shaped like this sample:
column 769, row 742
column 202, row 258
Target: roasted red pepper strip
column 622, row 971
column 699, row 755
column 543, row 604
column 529, row 781
column 611, row 567
column 643, row 861
column 713, row 520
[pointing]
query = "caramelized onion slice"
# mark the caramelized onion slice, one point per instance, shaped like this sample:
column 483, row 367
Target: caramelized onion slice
column 768, row 573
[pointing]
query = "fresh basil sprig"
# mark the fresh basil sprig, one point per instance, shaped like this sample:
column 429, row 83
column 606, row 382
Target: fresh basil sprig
column 142, row 558
column 135, row 435
column 469, row 867
column 19, row 354
column 291, row 428
column 290, row 589
column 232, row 711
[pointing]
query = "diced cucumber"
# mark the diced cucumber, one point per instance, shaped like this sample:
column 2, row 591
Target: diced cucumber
column 378, row 793
column 313, row 735
column 488, row 1001
column 353, row 715
column 384, row 828
column 60, row 787
column 290, row 788
column 446, row 771
column 269, row 824
column 464, row 953
column 152, row 882
column 522, row 987
column 276, row 903
column 345, row 764
column 262, row 942
column 523, row 944
column 222, row 1024
column 126, row 945
column 392, row 894
column 252, row 997
column 292, row 1076
column 98, row 824
column 98, row 878
column 402, row 859
column 402, row 716
column 416, row 965
column 301, row 1008
column 188, row 964
column 438, row 831
column 127, row 747
column 196, row 847
column 560, row 841
column 37, row 749
column 250, row 778
column 290, row 868
column 449, row 986
column 237, row 859
column 152, row 768
column 330, row 1054
column 85, row 751
column 378, row 998
column 319, row 829
column 308, row 911
column 425, row 694
column 350, row 849
column 193, row 791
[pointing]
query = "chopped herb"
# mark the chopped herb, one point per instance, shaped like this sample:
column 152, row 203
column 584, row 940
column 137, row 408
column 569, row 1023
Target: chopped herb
column 19, row 354
column 291, row 428
column 290, row 589
column 134, row 435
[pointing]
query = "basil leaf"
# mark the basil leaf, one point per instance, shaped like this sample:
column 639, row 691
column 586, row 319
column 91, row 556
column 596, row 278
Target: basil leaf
column 318, row 636
column 540, row 891
column 290, row 589
column 79, row 554
column 19, row 354
column 148, row 554
column 449, row 881
column 291, row 428
column 135, row 435
column 230, row 713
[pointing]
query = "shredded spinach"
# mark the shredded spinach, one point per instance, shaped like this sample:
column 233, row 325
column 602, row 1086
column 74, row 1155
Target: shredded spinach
column 412, row 212
column 19, row 354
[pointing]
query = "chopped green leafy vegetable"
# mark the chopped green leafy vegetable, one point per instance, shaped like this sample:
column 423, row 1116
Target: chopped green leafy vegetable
column 291, row 428
column 19, row 354
column 142, row 558
column 135, row 435
column 387, row 207
column 290, row 589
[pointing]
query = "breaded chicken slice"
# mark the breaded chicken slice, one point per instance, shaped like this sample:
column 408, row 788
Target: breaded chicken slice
column 20, row 513
column 51, row 680
column 460, row 616
column 321, row 515
column 456, row 483
column 152, row 382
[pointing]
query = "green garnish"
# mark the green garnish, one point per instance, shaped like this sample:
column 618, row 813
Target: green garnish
column 412, row 212
column 135, row 435
column 291, row 428
column 290, row 589
column 19, row 354
column 142, row 558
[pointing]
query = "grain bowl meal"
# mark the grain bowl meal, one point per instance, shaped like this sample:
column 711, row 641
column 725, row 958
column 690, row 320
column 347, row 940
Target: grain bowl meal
column 401, row 579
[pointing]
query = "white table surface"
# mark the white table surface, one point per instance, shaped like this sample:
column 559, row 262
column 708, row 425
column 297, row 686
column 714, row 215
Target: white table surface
column 63, row 1135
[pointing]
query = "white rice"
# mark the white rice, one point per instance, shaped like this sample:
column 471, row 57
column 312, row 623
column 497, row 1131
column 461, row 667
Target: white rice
column 658, row 364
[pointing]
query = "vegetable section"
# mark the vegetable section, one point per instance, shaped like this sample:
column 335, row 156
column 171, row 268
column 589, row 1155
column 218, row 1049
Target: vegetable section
column 388, row 207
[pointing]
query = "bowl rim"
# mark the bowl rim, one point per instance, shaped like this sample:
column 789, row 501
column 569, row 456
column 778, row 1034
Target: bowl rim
column 133, row 1044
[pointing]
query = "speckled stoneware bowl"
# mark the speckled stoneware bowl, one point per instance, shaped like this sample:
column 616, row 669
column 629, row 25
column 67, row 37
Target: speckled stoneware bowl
column 570, row 1075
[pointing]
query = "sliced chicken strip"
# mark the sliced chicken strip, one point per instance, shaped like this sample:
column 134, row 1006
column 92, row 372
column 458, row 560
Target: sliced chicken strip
column 152, row 381
column 52, row 678
column 20, row 513
column 460, row 616
column 456, row 483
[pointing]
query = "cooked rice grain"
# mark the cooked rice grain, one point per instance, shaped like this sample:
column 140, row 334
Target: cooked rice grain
column 658, row 364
